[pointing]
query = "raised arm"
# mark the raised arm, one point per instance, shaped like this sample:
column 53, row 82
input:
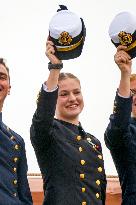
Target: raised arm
column 124, row 63
column 42, row 122
column 119, row 120
column 54, row 64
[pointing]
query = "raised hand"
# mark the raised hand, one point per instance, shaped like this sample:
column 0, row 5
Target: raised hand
column 50, row 53
column 123, row 60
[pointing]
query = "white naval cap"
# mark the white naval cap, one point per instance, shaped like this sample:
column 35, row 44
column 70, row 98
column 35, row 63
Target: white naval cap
column 67, row 31
column 122, row 31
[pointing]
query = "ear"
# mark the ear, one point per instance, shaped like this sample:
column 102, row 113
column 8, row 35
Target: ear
column 9, row 89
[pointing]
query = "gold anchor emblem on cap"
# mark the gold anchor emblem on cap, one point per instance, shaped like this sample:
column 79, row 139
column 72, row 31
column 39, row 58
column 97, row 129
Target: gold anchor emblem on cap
column 65, row 39
column 125, row 38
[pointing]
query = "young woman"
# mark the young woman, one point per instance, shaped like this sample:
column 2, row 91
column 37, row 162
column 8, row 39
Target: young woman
column 120, row 134
column 69, row 158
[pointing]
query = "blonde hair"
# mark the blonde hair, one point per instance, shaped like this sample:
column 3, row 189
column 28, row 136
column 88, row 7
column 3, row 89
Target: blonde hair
column 63, row 76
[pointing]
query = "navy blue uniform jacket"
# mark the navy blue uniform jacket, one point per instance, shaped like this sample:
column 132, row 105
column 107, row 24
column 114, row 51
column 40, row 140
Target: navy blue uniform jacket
column 70, row 160
column 120, row 138
column 14, row 188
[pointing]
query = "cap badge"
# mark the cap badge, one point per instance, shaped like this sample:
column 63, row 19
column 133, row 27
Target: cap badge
column 65, row 38
column 125, row 38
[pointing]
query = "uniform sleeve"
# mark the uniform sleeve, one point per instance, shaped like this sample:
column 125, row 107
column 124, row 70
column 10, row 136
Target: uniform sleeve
column 42, row 122
column 119, row 123
column 23, row 185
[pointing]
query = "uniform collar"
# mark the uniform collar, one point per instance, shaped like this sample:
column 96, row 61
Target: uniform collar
column 78, row 129
column 68, row 124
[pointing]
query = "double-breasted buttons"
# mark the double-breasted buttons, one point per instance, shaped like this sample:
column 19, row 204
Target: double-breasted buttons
column 83, row 189
column 99, row 169
column 82, row 162
column 78, row 138
column 80, row 149
column 15, row 169
column 14, row 181
column 82, row 176
column 97, row 195
column 12, row 137
column 100, row 156
column 15, row 159
column 98, row 182
column 16, row 147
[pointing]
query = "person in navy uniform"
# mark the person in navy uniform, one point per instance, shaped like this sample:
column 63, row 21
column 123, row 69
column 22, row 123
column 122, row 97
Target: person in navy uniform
column 120, row 135
column 14, row 187
column 69, row 158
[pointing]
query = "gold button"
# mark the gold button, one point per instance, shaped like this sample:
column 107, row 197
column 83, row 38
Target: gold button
column 82, row 176
column 15, row 169
column 99, row 169
column 83, row 189
column 15, row 194
column 100, row 156
column 80, row 149
column 12, row 137
column 84, row 203
column 82, row 162
column 15, row 182
column 15, row 159
column 97, row 195
column 98, row 182
column 16, row 146
column 78, row 137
